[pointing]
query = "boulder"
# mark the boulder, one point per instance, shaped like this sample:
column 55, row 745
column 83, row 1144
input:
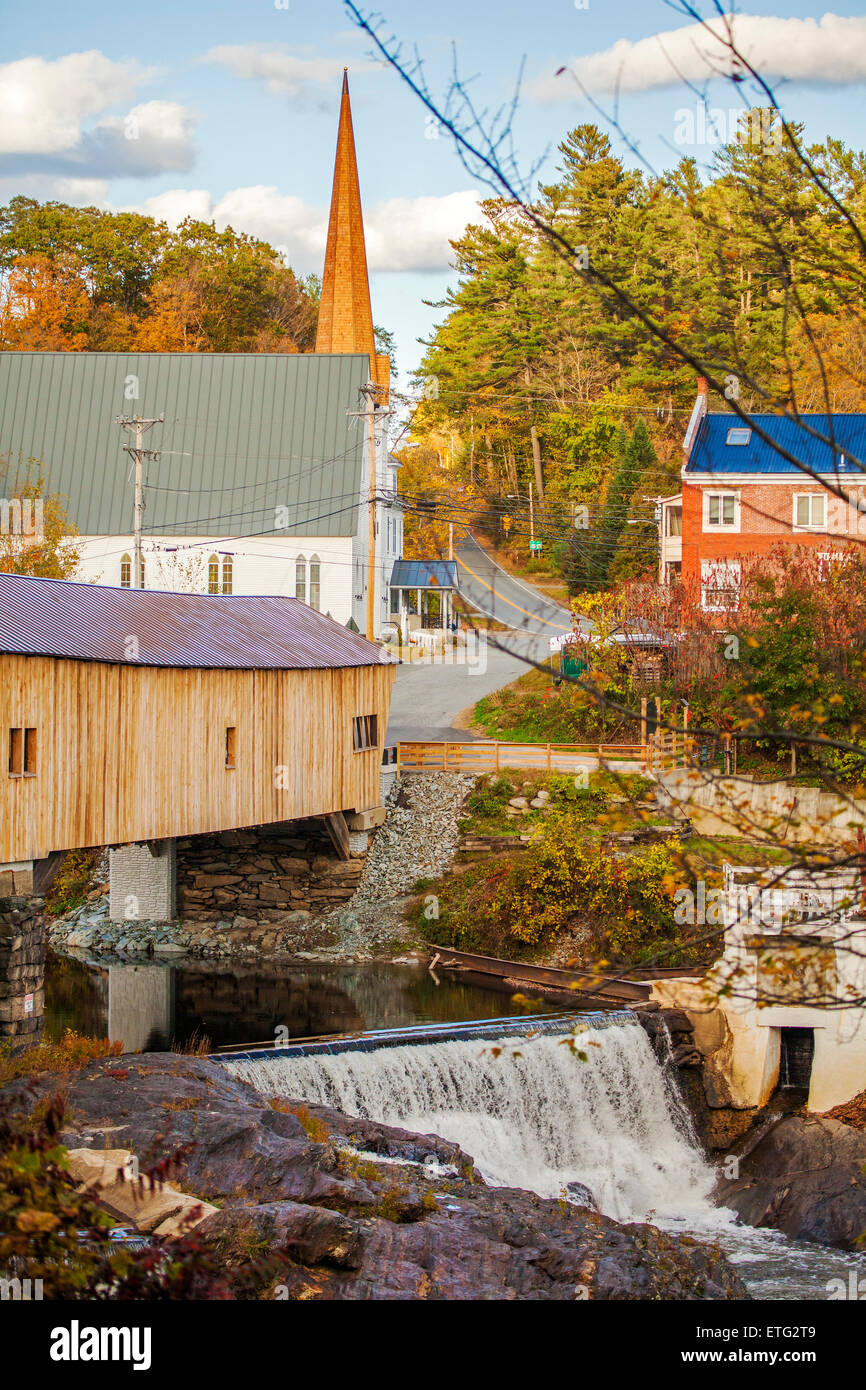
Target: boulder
column 351, row 1209
column 804, row 1177
column 109, row 1176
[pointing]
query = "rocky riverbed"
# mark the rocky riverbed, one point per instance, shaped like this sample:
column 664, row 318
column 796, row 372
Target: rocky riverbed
column 417, row 841
column 357, row 1210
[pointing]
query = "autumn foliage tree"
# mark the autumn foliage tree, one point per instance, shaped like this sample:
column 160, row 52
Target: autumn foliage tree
column 36, row 536
column 81, row 279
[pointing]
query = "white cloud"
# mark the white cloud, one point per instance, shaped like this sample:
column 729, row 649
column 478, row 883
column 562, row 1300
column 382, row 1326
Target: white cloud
column 401, row 234
column 56, row 119
column 43, row 103
column 831, row 50
column 282, row 71
column 172, row 207
column 413, row 233
column 80, row 192
column 153, row 137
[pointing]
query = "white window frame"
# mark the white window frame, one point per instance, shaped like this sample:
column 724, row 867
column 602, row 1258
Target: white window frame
column 721, row 493
column 729, row 570
column 811, row 497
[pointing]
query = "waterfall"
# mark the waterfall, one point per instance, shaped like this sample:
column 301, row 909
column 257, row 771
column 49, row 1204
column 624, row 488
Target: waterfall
column 530, row 1111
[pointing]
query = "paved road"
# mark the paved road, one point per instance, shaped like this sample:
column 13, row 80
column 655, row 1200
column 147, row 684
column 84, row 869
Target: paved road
column 427, row 697
column 493, row 591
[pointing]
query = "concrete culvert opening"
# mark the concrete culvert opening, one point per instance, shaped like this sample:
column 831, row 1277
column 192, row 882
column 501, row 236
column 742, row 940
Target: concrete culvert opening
column 795, row 1059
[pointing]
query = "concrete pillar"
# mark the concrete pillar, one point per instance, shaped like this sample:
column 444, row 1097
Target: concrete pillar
column 141, row 1006
column 16, row 879
column 143, row 880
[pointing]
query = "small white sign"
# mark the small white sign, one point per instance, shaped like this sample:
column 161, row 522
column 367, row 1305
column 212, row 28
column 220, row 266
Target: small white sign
column 556, row 644
column 28, row 1003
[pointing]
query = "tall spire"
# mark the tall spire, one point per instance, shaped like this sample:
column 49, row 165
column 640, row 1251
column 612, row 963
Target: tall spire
column 345, row 315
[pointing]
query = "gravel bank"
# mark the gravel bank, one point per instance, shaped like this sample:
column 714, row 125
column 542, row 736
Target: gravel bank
column 418, row 840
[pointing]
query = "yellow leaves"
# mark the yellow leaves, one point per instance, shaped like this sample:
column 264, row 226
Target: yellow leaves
column 33, row 1222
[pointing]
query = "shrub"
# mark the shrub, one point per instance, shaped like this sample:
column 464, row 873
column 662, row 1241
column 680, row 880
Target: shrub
column 623, row 907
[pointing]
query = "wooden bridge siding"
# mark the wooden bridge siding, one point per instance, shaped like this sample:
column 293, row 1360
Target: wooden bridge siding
column 133, row 753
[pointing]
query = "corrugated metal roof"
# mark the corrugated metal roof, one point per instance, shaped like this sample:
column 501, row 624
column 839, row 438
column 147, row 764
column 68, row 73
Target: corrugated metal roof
column 146, row 627
column 244, row 433
column 711, row 453
column 424, row 574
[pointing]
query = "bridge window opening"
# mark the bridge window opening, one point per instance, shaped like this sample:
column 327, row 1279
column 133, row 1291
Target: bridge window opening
column 213, row 575
column 231, row 734
column 365, row 732
column 228, row 573
column 315, row 582
column 301, row 579
column 29, row 752
column 796, row 1057
column 16, row 752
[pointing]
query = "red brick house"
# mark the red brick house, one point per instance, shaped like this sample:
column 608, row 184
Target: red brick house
column 741, row 496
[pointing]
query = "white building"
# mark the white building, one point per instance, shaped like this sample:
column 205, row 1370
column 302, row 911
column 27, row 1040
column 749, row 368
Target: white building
column 257, row 479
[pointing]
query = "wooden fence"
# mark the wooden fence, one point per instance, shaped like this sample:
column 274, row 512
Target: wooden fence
column 664, row 749
column 490, row 756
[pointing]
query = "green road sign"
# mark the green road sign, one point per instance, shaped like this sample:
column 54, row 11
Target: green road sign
column 535, row 545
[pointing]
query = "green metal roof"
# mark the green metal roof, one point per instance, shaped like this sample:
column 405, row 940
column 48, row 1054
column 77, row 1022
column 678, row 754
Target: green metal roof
column 244, row 434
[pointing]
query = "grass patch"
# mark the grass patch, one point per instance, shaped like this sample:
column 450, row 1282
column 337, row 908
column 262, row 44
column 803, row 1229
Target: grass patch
column 533, row 710
column 486, row 807
column 69, row 1054
column 705, row 857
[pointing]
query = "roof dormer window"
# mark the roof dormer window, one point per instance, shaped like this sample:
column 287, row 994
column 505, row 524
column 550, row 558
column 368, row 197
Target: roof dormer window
column 738, row 436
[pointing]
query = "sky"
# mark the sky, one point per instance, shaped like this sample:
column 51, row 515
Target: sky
column 227, row 110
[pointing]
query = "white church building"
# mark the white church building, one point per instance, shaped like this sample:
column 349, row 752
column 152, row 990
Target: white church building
column 257, row 475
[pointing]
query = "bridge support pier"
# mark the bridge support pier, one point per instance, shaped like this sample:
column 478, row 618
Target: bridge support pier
column 143, row 882
column 22, row 968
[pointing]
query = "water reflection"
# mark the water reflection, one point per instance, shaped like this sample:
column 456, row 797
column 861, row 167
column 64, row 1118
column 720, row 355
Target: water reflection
column 150, row 1006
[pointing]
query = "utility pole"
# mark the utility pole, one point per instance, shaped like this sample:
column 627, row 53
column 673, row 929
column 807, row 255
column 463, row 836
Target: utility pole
column 371, row 530
column 451, row 540
column 370, row 392
column 136, row 452
column 531, row 520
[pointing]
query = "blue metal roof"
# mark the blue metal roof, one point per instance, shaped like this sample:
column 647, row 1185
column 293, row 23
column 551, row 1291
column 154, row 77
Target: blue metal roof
column 712, row 453
column 424, row 574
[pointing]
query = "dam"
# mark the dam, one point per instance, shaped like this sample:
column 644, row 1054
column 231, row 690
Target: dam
column 578, row 1108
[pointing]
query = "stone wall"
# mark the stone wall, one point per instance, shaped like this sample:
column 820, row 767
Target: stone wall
column 263, row 874
column 22, row 968
column 780, row 811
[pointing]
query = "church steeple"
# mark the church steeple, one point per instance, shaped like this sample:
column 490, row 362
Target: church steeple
column 345, row 315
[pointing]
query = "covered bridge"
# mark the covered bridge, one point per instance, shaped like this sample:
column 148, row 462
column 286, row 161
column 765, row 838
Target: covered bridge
column 132, row 716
